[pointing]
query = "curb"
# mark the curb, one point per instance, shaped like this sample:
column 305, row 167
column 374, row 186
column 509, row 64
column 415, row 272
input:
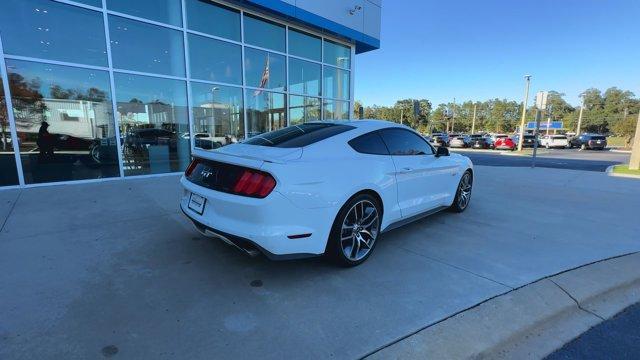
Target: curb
column 531, row 321
column 620, row 151
column 609, row 172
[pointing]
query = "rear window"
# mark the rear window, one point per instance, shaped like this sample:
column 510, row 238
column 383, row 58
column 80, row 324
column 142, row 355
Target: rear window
column 559, row 137
column 370, row 143
column 298, row 135
column 598, row 138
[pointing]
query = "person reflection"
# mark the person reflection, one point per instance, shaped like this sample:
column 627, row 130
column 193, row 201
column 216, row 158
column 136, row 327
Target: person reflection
column 45, row 143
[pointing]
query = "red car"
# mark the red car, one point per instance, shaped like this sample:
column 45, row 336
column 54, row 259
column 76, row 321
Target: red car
column 504, row 143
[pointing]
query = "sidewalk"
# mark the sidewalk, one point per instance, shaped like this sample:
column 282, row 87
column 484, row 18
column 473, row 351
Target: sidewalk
column 93, row 269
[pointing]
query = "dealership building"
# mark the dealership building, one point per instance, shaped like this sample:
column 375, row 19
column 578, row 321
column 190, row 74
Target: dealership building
column 103, row 89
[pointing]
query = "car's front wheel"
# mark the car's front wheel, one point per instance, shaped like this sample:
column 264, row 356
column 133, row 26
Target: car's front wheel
column 463, row 194
column 355, row 231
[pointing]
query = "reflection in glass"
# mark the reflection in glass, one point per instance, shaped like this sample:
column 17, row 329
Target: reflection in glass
column 266, row 111
column 144, row 47
column 51, row 30
column 96, row 3
column 8, row 170
column 304, row 45
column 264, row 33
column 304, row 77
column 336, row 54
column 214, row 19
column 215, row 60
column 165, row 11
column 64, row 122
column 264, row 69
column 218, row 117
column 335, row 110
column 153, row 120
column 303, row 109
column 336, row 83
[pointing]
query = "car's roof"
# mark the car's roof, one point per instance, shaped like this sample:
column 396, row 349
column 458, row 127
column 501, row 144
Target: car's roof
column 367, row 124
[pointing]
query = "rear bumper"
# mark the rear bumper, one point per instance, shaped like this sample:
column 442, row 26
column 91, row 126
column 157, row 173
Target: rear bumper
column 260, row 224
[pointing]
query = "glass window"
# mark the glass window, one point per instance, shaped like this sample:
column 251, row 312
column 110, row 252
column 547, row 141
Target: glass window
column 304, row 45
column 336, row 110
column 370, row 143
column 298, row 135
column 145, row 47
column 213, row 19
column 303, row 109
column 304, row 77
column 165, row 11
column 215, row 60
column 336, row 83
column 263, row 33
column 405, row 142
column 218, row 117
column 153, row 120
column 264, row 69
column 336, row 54
column 96, row 3
column 51, row 30
column 266, row 111
column 8, row 170
column 64, row 122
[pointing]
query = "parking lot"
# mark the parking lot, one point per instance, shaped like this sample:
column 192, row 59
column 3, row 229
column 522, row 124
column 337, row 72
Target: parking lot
column 570, row 159
column 94, row 269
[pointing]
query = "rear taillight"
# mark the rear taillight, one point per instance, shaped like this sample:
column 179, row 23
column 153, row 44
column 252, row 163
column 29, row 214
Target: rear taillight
column 191, row 167
column 254, row 183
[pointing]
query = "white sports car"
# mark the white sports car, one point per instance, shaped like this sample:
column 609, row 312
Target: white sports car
column 322, row 188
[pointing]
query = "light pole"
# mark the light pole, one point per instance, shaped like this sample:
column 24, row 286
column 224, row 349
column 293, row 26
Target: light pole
column 473, row 121
column 524, row 111
column 453, row 115
column 634, row 162
column 213, row 109
column 580, row 116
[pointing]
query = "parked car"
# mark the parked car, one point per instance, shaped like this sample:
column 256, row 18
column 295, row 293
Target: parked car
column 589, row 141
column 528, row 140
column 461, row 141
column 504, row 143
column 554, row 141
column 440, row 139
column 240, row 192
column 479, row 141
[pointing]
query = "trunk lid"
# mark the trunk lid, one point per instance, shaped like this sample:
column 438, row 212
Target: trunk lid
column 251, row 155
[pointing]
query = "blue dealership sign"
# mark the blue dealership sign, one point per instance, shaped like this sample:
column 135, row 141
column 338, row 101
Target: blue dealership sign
column 543, row 125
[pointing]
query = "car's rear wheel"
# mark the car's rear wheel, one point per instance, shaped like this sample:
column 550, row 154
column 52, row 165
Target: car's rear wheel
column 355, row 231
column 463, row 194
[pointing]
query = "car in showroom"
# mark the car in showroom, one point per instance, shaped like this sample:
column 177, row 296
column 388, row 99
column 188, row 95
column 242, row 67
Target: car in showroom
column 554, row 141
column 322, row 188
column 504, row 143
column 589, row 141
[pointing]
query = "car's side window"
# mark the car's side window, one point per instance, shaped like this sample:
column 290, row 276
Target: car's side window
column 404, row 142
column 369, row 143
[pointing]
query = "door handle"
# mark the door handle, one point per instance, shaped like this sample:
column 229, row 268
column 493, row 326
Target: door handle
column 405, row 170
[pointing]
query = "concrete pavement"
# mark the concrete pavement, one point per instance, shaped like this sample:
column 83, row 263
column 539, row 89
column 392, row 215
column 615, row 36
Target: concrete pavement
column 113, row 267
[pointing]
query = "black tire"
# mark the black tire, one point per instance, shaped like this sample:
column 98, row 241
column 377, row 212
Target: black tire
column 337, row 241
column 459, row 206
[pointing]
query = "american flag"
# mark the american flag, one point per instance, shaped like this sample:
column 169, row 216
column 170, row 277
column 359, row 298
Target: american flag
column 265, row 78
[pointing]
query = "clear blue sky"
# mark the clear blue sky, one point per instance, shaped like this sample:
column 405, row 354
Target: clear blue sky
column 480, row 49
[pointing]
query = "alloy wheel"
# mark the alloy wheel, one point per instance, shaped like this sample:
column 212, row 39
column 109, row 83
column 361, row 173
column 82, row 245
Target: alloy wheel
column 464, row 190
column 359, row 231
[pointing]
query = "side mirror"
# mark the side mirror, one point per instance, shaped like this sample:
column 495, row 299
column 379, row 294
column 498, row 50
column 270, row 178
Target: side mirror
column 442, row 151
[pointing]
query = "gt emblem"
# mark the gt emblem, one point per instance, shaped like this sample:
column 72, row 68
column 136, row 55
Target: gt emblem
column 206, row 174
